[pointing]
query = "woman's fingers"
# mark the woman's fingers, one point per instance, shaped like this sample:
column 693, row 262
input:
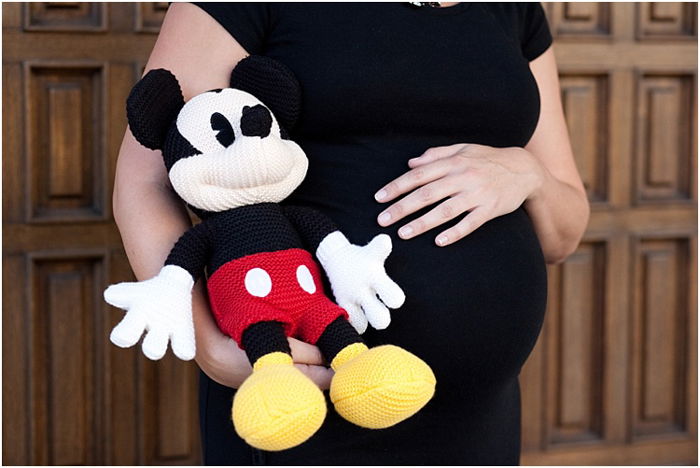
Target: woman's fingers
column 475, row 219
column 414, row 201
column 320, row 375
column 304, row 353
column 444, row 212
column 411, row 180
column 433, row 154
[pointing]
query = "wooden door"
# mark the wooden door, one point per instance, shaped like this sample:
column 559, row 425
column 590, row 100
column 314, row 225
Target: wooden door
column 69, row 396
column 613, row 379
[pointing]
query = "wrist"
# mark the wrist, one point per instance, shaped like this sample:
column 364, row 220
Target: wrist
column 541, row 178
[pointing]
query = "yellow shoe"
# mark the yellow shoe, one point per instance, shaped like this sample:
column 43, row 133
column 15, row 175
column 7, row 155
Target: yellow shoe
column 277, row 407
column 379, row 387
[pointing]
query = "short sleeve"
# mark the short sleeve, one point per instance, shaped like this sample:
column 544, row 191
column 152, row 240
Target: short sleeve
column 248, row 23
column 535, row 36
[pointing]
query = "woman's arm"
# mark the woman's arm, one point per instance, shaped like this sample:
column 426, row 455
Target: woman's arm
column 559, row 207
column 151, row 217
column 490, row 182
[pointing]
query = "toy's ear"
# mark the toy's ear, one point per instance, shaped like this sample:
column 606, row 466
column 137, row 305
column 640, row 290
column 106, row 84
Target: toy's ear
column 152, row 106
column 271, row 82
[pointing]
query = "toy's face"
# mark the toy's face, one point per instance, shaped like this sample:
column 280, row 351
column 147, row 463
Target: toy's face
column 226, row 150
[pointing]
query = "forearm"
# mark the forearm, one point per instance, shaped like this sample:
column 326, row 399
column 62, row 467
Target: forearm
column 559, row 212
column 151, row 218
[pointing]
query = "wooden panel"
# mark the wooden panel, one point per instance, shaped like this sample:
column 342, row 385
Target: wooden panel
column 149, row 16
column 664, row 139
column 65, row 16
column 66, row 357
column 171, row 414
column 667, row 20
column 585, row 97
column 15, row 405
column 125, row 385
column 65, row 121
column 575, row 351
column 660, row 339
column 13, row 164
column 576, row 19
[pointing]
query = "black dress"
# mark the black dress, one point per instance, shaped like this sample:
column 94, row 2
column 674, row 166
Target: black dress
column 381, row 83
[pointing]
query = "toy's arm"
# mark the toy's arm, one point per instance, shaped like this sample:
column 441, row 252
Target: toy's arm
column 356, row 273
column 162, row 305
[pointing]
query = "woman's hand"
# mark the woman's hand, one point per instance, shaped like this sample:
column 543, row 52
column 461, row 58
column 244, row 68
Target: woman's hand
column 223, row 361
column 485, row 181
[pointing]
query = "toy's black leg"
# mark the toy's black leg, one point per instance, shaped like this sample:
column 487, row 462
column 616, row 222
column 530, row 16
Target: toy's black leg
column 277, row 407
column 341, row 340
column 264, row 338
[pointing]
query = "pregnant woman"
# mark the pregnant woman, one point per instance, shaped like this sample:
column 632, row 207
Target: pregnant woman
column 438, row 124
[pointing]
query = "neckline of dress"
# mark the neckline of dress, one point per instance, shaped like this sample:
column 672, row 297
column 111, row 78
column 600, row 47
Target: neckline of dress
column 447, row 10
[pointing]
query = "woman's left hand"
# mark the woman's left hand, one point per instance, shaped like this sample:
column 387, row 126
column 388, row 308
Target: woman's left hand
column 485, row 181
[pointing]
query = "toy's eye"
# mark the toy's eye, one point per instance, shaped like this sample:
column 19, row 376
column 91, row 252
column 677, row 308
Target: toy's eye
column 222, row 126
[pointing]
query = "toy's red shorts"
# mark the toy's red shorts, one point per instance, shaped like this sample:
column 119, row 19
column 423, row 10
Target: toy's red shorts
column 282, row 286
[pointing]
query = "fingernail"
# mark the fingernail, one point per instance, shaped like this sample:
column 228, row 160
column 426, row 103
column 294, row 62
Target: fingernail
column 405, row 231
column 442, row 240
column 384, row 217
column 381, row 195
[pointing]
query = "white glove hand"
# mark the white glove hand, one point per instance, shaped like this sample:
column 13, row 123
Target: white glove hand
column 357, row 277
column 162, row 306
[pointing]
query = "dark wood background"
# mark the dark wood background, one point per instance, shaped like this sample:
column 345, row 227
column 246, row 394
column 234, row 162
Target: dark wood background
column 613, row 379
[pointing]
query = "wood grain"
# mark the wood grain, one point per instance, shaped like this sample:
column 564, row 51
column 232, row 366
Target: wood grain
column 613, row 378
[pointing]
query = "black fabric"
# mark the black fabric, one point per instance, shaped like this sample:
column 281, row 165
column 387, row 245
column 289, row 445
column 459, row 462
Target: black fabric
column 256, row 121
column 264, row 338
column 152, row 105
column 273, row 84
column 176, row 147
column 381, row 83
column 248, row 230
column 312, row 225
column 223, row 129
column 337, row 335
column 192, row 250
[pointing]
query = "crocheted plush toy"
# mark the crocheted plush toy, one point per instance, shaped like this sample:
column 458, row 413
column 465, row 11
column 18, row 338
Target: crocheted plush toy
column 229, row 158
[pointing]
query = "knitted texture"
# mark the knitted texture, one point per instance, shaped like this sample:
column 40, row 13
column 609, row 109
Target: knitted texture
column 176, row 147
column 228, row 158
column 163, row 306
column 277, row 407
column 192, row 250
column 357, row 277
column 280, row 286
column 313, row 225
column 272, row 359
column 271, row 82
column 152, row 106
column 347, row 353
column 250, row 170
column 381, row 387
column 256, row 121
column 248, row 230
column 263, row 338
column 337, row 336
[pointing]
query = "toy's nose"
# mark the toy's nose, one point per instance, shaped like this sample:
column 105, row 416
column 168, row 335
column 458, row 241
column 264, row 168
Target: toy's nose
column 256, row 121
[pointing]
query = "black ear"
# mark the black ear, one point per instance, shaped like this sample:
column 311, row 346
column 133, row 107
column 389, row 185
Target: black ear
column 271, row 82
column 152, row 105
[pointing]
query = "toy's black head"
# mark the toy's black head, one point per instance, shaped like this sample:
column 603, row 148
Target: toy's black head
column 226, row 147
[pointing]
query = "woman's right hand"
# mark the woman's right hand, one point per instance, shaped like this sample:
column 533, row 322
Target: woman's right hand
column 224, row 362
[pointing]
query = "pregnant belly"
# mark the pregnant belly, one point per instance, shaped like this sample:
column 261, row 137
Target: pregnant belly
column 473, row 309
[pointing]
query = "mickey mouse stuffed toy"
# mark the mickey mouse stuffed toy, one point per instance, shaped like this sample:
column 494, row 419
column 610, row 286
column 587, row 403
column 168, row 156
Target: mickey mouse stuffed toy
column 229, row 157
